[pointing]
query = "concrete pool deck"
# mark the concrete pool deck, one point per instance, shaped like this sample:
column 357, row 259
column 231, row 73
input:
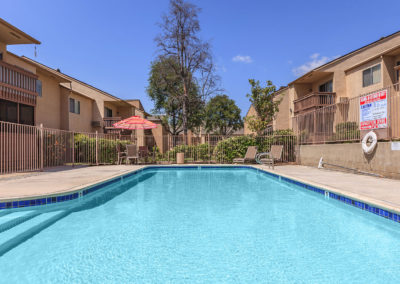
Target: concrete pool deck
column 24, row 185
column 382, row 192
column 377, row 191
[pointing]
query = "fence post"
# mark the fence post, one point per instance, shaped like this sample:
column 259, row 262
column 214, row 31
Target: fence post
column 97, row 147
column 73, row 149
column 41, row 147
column 209, row 155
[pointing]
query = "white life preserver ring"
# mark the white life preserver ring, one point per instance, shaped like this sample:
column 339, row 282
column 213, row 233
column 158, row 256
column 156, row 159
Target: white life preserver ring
column 369, row 149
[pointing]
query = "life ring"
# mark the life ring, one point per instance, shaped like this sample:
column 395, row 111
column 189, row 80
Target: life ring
column 369, row 149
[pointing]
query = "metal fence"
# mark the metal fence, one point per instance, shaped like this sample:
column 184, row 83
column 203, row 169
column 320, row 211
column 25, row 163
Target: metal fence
column 29, row 148
column 340, row 122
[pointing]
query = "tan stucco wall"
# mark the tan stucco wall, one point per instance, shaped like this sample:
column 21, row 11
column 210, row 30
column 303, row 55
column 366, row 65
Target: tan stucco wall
column 49, row 104
column 161, row 140
column 282, row 119
column 81, row 122
column 3, row 48
column 383, row 161
column 251, row 112
column 356, row 58
column 354, row 79
column 114, row 109
column 64, row 108
column 317, row 83
column 97, row 98
column 15, row 60
column 126, row 111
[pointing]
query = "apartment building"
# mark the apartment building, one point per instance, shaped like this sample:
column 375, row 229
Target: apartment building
column 337, row 84
column 18, row 80
column 35, row 94
column 281, row 120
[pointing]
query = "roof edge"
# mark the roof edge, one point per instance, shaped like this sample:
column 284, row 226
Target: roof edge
column 347, row 55
column 17, row 30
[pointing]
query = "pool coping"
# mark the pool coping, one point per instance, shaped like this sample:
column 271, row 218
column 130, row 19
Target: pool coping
column 362, row 202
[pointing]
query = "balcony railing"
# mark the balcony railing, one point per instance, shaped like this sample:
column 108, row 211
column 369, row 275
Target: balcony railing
column 313, row 101
column 17, row 84
column 109, row 121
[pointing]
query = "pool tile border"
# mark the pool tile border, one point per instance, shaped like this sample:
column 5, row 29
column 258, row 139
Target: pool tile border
column 341, row 198
column 52, row 199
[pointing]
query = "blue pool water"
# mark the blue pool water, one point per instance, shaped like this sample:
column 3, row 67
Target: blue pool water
column 199, row 226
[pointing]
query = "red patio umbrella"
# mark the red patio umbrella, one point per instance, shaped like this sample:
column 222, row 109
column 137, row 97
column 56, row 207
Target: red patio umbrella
column 135, row 122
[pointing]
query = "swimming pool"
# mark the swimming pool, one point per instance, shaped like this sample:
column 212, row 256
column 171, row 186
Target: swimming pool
column 196, row 225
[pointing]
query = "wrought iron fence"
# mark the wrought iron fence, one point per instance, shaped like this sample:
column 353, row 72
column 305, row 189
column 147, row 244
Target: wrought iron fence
column 340, row 122
column 29, row 148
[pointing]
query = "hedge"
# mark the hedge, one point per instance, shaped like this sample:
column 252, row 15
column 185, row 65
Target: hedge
column 85, row 149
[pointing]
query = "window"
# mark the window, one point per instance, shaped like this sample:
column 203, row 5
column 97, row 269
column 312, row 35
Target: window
column 1, row 56
column 74, row 106
column 8, row 111
column 26, row 114
column 39, row 87
column 327, row 87
column 397, row 71
column 108, row 112
column 372, row 75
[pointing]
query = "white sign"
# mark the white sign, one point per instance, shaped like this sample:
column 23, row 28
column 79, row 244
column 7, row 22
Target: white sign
column 373, row 111
column 395, row 146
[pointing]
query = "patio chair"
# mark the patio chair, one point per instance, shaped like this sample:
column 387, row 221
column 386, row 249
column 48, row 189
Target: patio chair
column 275, row 154
column 131, row 153
column 143, row 152
column 121, row 154
column 249, row 157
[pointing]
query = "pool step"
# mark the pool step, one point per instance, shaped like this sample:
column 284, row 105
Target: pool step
column 13, row 219
column 27, row 229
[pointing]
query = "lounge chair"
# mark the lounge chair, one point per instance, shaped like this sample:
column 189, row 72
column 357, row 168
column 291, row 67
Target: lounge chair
column 249, row 157
column 131, row 153
column 269, row 158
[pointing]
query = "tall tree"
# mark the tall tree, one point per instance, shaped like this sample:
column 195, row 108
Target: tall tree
column 179, row 39
column 165, row 89
column 222, row 116
column 265, row 104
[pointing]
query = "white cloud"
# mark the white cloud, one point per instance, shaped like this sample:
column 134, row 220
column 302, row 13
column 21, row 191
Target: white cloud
column 242, row 58
column 316, row 61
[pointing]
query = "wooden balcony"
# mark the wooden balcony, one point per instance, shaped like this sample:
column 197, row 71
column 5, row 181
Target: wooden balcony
column 17, row 85
column 109, row 121
column 313, row 101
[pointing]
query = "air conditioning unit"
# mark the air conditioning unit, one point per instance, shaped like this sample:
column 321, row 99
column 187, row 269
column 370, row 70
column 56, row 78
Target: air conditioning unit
column 96, row 123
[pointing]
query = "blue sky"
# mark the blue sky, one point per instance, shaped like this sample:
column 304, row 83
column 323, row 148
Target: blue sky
column 110, row 44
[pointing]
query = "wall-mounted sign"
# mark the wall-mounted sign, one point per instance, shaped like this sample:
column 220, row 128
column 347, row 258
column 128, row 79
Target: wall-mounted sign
column 395, row 146
column 373, row 111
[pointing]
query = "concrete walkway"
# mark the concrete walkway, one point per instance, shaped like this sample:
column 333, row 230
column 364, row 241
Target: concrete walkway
column 384, row 193
column 19, row 186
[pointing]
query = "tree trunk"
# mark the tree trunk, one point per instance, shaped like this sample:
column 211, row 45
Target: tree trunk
column 185, row 114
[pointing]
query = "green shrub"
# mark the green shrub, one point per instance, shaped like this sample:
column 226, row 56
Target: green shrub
column 85, row 149
column 236, row 147
column 346, row 131
column 231, row 148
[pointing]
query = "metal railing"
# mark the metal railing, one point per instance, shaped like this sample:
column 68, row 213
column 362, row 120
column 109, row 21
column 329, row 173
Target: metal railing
column 26, row 148
column 109, row 121
column 17, row 84
column 314, row 100
column 340, row 122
